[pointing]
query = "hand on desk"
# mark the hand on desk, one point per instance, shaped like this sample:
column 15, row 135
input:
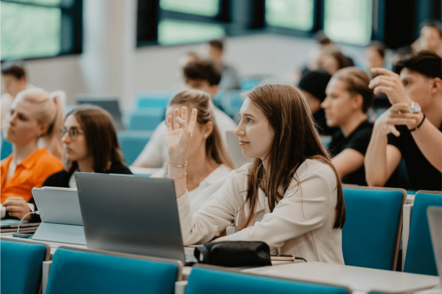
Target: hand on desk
column 17, row 207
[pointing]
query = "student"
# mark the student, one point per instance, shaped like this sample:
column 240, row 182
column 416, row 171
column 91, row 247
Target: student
column 290, row 196
column 209, row 163
column 374, row 55
column 430, row 37
column 348, row 100
column 91, row 144
column 412, row 128
column 199, row 75
column 14, row 81
column 229, row 75
column 34, row 115
column 332, row 60
column 313, row 85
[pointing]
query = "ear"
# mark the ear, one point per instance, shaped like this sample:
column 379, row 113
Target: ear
column 436, row 86
column 358, row 101
column 213, row 90
column 208, row 128
column 43, row 128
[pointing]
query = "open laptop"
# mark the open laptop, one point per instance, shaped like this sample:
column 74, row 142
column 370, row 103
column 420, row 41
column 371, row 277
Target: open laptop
column 107, row 102
column 235, row 151
column 434, row 215
column 60, row 215
column 129, row 214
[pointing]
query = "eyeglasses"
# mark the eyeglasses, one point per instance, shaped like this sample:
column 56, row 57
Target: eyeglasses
column 73, row 132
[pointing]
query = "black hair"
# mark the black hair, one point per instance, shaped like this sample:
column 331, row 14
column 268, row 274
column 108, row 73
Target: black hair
column 432, row 24
column 218, row 43
column 426, row 63
column 17, row 71
column 204, row 70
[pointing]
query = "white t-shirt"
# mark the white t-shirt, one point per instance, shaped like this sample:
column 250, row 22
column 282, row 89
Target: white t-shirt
column 155, row 152
column 201, row 195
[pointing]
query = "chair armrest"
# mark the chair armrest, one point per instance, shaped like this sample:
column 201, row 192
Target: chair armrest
column 180, row 287
column 45, row 275
column 407, row 210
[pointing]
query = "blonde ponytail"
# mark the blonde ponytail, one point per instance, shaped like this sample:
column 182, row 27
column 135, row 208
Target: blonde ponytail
column 53, row 137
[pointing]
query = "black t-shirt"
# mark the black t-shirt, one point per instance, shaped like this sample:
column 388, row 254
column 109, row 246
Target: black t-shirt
column 358, row 140
column 321, row 124
column 422, row 175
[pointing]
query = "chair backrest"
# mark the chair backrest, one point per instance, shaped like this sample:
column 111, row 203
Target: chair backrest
column 371, row 234
column 205, row 280
column 152, row 99
column 146, row 119
column 132, row 143
column 21, row 266
column 92, row 271
column 419, row 258
column 5, row 148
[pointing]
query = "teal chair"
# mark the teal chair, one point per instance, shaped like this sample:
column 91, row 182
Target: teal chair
column 204, row 280
column 146, row 119
column 132, row 143
column 419, row 258
column 152, row 99
column 21, row 265
column 371, row 234
column 6, row 148
column 88, row 271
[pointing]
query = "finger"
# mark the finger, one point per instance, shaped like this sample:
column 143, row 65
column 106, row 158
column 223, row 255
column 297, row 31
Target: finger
column 382, row 89
column 14, row 208
column 400, row 107
column 403, row 115
column 182, row 123
column 13, row 202
column 184, row 113
column 193, row 118
column 382, row 71
column 169, row 123
column 394, row 131
column 400, row 121
column 176, row 114
column 382, row 81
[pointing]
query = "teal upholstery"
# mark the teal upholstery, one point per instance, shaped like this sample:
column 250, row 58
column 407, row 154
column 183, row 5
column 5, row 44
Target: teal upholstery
column 249, row 83
column 146, row 119
column 231, row 102
column 85, row 272
column 132, row 143
column 21, row 266
column 202, row 281
column 419, row 258
column 152, row 99
column 6, row 148
column 370, row 232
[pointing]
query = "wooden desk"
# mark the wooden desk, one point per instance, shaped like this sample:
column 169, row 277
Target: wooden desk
column 356, row 278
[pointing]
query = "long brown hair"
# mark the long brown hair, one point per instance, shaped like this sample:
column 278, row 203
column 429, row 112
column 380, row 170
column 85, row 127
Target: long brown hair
column 101, row 137
column 200, row 100
column 295, row 140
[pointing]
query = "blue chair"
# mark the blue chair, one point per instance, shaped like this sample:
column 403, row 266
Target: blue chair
column 21, row 264
column 419, row 258
column 132, row 143
column 249, row 83
column 6, row 148
column 209, row 280
column 231, row 102
column 89, row 271
column 146, row 119
column 371, row 234
column 152, row 99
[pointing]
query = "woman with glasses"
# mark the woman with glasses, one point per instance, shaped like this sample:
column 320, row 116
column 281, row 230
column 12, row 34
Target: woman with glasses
column 32, row 126
column 91, row 145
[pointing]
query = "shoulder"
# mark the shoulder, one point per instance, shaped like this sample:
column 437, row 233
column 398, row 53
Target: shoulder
column 58, row 179
column 364, row 131
column 312, row 168
column 46, row 160
column 118, row 168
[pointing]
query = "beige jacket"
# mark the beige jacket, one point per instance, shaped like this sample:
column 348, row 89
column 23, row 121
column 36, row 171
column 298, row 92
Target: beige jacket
column 300, row 225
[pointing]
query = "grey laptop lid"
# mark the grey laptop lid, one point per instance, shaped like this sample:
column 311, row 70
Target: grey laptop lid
column 107, row 102
column 235, row 150
column 58, row 205
column 435, row 221
column 128, row 214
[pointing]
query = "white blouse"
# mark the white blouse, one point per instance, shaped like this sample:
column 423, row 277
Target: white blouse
column 301, row 224
column 201, row 195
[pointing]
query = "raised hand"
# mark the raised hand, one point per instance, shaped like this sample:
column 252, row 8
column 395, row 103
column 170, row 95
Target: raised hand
column 389, row 83
column 179, row 134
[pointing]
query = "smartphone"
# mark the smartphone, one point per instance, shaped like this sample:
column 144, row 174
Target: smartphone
column 282, row 258
column 23, row 235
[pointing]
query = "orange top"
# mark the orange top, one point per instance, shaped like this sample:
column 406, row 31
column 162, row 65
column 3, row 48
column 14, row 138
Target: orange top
column 32, row 172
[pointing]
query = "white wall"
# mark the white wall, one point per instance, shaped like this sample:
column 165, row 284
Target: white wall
column 112, row 64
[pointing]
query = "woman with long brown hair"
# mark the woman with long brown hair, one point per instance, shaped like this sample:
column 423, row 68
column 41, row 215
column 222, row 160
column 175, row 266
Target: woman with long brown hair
column 209, row 163
column 290, row 195
column 90, row 143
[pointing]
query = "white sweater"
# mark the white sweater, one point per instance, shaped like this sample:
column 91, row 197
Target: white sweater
column 300, row 225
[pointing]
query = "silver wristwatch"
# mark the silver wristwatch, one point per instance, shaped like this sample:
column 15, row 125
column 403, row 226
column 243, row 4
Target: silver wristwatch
column 414, row 108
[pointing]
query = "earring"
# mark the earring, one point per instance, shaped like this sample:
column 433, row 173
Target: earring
column 205, row 136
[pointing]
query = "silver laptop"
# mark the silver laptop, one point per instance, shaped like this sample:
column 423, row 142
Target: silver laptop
column 235, row 151
column 435, row 221
column 60, row 215
column 129, row 214
column 107, row 102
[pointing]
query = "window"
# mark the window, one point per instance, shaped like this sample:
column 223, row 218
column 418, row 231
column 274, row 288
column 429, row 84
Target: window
column 298, row 15
column 348, row 21
column 205, row 8
column 40, row 28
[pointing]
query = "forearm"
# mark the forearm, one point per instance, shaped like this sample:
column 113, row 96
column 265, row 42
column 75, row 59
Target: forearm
column 179, row 176
column 376, row 159
column 429, row 140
